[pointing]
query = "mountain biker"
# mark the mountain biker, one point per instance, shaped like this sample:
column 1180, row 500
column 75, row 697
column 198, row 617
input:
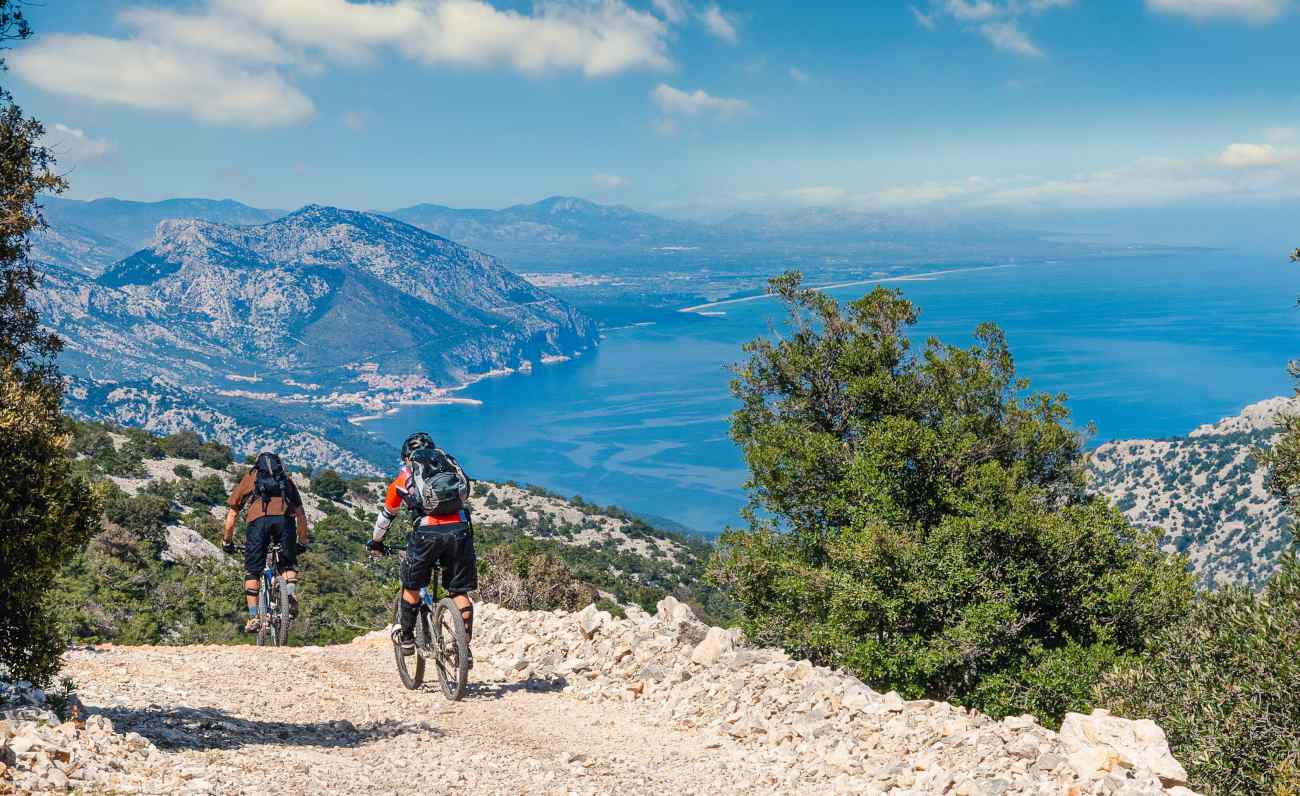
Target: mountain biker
column 275, row 513
column 445, row 539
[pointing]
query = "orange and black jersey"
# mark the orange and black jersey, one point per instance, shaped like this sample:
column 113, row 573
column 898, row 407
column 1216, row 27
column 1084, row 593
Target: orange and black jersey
column 399, row 493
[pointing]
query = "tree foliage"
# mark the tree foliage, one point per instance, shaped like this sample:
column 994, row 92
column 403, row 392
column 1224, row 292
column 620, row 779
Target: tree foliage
column 46, row 512
column 329, row 484
column 1283, row 458
column 923, row 522
column 1222, row 682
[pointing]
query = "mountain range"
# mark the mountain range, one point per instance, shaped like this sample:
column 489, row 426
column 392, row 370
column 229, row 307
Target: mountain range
column 90, row 236
column 298, row 322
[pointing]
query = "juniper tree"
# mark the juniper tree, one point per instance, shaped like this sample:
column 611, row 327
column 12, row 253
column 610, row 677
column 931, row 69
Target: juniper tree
column 45, row 511
column 922, row 520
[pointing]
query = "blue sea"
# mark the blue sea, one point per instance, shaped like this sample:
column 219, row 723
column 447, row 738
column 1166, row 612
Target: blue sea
column 1145, row 346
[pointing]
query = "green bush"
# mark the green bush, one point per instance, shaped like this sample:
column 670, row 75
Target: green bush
column 209, row 490
column 183, row 471
column 923, row 522
column 329, row 485
column 1224, row 683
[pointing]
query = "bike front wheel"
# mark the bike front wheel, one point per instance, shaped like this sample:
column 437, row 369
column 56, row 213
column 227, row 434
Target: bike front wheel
column 410, row 669
column 451, row 648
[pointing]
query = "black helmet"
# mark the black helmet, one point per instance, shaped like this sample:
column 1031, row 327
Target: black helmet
column 416, row 441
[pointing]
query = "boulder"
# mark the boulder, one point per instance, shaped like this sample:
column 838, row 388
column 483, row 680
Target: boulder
column 1139, row 744
column 673, row 612
column 716, row 643
column 591, row 618
column 185, row 542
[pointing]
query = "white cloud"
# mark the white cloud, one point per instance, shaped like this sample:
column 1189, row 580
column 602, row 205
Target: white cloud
column 719, row 24
column 672, row 10
column 1009, row 37
column 927, row 21
column 160, row 78
column 1256, row 11
column 608, row 182
column 675, row 102
column 1257, row 156
column 817, row 194
column 998, row 21
column 798, row 75
column 73, row 145
column 235, row 61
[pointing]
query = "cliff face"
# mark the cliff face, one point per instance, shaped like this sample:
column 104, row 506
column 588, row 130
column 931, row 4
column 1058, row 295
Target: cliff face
column 1206, row 491
column 324, row 308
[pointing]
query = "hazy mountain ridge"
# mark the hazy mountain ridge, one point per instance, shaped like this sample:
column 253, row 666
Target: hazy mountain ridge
column 1206, row 491
column 323, row 309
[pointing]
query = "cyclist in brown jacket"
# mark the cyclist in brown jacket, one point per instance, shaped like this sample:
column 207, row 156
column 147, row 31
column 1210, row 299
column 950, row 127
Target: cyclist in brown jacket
column 275, row 513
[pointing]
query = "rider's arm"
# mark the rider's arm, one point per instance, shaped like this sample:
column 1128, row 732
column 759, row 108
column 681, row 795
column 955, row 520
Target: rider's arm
column 299, row 514
column 238, row 497
column 388, row 511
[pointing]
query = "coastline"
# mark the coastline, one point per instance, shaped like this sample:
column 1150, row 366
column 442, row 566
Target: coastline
column 699, row 309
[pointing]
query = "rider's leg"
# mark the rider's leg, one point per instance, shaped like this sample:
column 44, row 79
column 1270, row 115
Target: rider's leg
column 466, row 606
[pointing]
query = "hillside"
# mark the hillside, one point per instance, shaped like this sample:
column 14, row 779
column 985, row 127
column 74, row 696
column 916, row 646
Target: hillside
column 290, row 327
column 156, row 573
column 1206, row 491
column 558, row 703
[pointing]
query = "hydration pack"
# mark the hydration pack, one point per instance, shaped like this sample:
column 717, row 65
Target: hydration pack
column 269, row 479
column 437, row 485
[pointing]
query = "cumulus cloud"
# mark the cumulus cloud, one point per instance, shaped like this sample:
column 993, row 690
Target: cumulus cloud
column 719, row 24
column 72, row 145
column 161, row 78
column 236, row 61
column 672, row 10
column 608, row 182
column 997, row 21
column 675, row 102
column 1256, row 11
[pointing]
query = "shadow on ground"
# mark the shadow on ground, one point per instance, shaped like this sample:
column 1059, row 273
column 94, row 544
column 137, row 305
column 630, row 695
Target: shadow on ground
column 209, row 728
column 477, row 692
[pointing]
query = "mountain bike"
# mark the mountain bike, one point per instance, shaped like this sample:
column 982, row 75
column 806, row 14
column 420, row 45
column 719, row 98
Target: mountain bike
column 272, row 602
column 439, row 636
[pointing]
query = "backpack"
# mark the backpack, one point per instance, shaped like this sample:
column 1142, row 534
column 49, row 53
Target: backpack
column 437, row 485
column 269, row 479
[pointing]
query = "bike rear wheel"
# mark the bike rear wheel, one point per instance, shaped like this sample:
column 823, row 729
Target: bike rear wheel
column 263, row 615
column 451, row 648
column 281, row 616
column 410, row 669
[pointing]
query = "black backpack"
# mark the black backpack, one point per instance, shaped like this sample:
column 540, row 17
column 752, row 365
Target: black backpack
column 437, row 485
column 269, row 479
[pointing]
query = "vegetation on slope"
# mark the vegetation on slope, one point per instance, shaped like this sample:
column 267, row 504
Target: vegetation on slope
column 918, row 522
column 45, row 510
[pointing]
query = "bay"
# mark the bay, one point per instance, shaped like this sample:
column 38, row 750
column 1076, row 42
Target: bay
column 1145, row 346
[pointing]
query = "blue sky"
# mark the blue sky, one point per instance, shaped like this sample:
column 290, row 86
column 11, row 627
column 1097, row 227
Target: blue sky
column 1006, row 107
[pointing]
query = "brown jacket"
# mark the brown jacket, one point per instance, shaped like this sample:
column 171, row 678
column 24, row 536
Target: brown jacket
column 244, row 495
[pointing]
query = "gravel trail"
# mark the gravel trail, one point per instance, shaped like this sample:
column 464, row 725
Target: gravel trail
column 336, row 719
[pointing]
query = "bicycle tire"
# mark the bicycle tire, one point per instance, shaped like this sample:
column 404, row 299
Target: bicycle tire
column 451, row 649
column 282, row 621
column 412, row 677
column 263, row 613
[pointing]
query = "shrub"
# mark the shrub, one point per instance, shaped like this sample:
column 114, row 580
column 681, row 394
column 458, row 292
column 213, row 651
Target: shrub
column 183, row 445
column 1224, row 683
column 520, row 577
column 329, row 485
column 209, row 490
column 182, row 471
column 924, row 523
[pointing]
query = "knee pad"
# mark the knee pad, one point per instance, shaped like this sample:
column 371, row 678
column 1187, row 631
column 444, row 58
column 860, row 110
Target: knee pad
column 251, row 592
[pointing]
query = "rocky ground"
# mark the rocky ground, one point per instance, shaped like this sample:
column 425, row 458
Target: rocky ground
column 559, row 703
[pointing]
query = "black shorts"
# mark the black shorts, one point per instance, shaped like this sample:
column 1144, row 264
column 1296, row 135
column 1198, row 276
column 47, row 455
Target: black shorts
column 261, row 532
column 451, row 548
